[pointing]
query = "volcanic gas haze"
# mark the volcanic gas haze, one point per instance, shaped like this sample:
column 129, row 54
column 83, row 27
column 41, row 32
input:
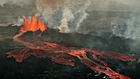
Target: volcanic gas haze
column 53, row 11
column 71, row 12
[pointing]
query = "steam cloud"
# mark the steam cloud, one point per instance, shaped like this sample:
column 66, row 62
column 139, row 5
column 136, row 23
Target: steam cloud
column 130, row 31
column 71, row 12
column 67, row 16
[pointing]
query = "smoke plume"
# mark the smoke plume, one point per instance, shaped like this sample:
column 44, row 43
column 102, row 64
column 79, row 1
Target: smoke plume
column 71, row 12
column 67, row 16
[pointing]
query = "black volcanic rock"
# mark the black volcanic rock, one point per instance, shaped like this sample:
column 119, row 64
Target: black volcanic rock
column 46, row 69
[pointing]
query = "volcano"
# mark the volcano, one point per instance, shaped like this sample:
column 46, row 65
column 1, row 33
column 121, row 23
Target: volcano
column 56, row 64
column 69, row 39
column 63, row 50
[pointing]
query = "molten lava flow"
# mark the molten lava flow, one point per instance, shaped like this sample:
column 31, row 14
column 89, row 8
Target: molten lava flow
column 33, row 25
column 64, row 55
column 26, row 25
column 41, row 26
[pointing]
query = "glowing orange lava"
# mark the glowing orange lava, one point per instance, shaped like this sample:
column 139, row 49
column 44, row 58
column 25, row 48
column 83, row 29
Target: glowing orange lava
column 33, row 25
column 62, row 54
column 26, row 25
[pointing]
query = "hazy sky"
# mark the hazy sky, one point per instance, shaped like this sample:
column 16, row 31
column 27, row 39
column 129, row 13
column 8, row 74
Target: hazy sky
column 116, row 5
